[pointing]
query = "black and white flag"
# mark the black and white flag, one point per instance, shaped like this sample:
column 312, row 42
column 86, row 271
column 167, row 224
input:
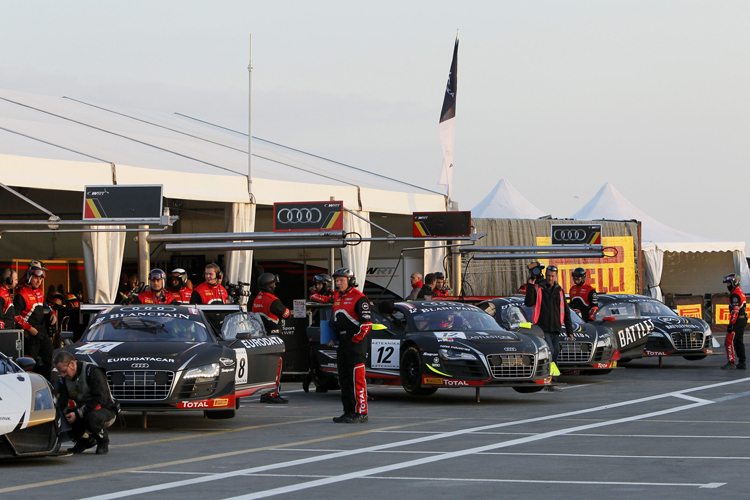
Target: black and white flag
column 448, row 123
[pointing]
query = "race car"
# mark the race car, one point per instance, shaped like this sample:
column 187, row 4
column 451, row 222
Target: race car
column 426, row 345
column 30, row 424
column 596, row 346
column 672, row 334
column 163, row 357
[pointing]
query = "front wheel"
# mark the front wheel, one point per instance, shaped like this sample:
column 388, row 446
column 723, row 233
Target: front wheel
column 411, row 373
column 695, row 357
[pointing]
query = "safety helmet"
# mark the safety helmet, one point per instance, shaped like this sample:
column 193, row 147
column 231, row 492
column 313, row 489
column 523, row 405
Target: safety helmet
column 156, row 274
column 551, row 267
column 58, row 300
column 267, row 281
column 73, row 300
column 180, row 275
column 325, row 279
column 579, row 272
column 346, row 273
column 732, row 281
column 444, row 319
column 36, row 268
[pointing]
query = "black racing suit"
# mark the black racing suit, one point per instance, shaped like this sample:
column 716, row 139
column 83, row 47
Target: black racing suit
column 734, row 341
column 95, row 408
column 352, row 321
column 551, row 313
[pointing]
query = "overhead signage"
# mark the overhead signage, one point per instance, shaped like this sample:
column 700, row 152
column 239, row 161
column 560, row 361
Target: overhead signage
column 113, row 203
column 308, row 216
column 576, row 234
column 441, row 224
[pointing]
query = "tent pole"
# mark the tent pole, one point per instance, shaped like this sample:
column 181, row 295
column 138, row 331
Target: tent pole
column 250, row 123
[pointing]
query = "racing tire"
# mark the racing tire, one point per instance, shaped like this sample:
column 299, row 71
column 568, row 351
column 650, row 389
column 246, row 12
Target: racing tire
column 695, row 357
column 411, row 374
column 528, row 390
column 219, row 414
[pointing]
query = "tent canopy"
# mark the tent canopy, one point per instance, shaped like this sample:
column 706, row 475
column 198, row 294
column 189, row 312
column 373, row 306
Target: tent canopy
column 504, row 202
column 62, row 143
column 658, row 238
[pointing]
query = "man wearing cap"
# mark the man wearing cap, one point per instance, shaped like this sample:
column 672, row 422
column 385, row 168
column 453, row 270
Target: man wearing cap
column 551, row 311
column 156, row 293
column 29, row 306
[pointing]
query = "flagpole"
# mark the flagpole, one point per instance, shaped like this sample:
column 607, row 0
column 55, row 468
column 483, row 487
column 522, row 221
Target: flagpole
column 250, row 124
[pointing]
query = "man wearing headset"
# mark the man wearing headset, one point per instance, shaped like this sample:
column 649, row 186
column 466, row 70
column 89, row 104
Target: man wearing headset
column 210, row 291
column 29, row 306
column 178, row 286
column 352, row 321
column 7, row 311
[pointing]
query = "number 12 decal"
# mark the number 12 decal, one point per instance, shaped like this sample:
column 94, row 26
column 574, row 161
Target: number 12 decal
column 385, row 353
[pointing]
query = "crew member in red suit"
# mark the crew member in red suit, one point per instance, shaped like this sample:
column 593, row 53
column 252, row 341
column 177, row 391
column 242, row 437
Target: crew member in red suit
column 440, row 289
column 178, row 285
column 734, row 342
column 352, row 321
column 29, row 306
column 583, row 297
column 210, row 291
column 271, row 311
column 7, row 311
column 322, row 289
column 156, row 293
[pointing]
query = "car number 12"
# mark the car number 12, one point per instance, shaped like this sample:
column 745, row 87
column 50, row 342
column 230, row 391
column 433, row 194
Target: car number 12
column 385, row 353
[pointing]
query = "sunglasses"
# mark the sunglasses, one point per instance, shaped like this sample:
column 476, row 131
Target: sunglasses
column 552, row 268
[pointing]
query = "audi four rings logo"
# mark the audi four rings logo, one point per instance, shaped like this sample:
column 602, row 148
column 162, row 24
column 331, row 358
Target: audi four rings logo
column 139, row 365
column 570, row 234
column 298, row 215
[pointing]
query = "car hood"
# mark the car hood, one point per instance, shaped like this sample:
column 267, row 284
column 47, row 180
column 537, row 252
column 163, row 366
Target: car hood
column 120, row 355
column 678, row 324
column 477, row 336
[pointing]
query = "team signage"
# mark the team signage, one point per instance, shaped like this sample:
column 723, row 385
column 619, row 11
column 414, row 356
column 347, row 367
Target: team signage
column 441, row 224
column 308, row 216
column 576, row 234
column 112, row 203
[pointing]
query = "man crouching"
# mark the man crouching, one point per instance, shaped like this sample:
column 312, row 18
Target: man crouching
column 95, row 410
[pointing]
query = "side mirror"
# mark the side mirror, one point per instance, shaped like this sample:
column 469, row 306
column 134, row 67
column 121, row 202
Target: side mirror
column 26, row 364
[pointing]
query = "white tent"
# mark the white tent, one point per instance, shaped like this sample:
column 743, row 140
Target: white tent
column 504, row 202
column 706, row 259
column 65, row 144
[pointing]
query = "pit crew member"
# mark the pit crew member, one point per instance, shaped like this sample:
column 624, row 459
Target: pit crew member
column 322, row 289
column 737, row 322
column 583, row 297
column 7, row 311
column 270, row 309
column 210, row 291
column 156, row 293
column 29, row 305
column 178, row 285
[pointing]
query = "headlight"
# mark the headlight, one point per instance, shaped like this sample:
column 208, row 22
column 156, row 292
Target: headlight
column 544, row 352
column 455, row 355
column 605, row 340
column 226, row 361
column 205, row 371
column 42, row 400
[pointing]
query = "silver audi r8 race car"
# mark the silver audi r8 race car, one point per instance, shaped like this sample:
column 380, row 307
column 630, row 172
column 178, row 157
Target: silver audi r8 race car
column 30, row 424
column 424, row 346
column 672, row 335
column 163, row 357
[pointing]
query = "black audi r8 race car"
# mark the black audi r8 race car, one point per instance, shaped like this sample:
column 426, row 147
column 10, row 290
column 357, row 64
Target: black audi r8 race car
column 596, row 346
column 424, row 346
column 30, row 424
column 672, row 335
column 163, row 357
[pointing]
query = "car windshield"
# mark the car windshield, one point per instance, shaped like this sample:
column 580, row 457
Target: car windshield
column 618, row 310
column 159, row 329
column 654, row 308
column 453, row 320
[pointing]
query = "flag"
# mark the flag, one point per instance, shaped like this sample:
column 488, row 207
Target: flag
column 448, row 123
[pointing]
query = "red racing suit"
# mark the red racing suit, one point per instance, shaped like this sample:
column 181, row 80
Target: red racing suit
column 734, row 342
column 584, row 299
column 270, row 309
column 7, row 311
column 183, row 295
column 442, row 292
column 148, row 297
column 323, row 298
column 352, row 321
column 209, row 294
column 29, row 306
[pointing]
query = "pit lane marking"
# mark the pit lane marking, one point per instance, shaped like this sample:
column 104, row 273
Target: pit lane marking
column 346, row 477
column 212, row 457
column 475, row 480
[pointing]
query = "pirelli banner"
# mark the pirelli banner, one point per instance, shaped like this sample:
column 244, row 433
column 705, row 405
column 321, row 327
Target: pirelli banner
column 690, row 307
column 617, row 274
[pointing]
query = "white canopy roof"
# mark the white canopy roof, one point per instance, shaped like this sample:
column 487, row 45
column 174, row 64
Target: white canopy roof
column 61, row 143
column 504, row 202
column 610, row 204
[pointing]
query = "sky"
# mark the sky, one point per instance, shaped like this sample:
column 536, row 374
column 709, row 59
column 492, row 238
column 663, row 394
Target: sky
column 558, row 97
